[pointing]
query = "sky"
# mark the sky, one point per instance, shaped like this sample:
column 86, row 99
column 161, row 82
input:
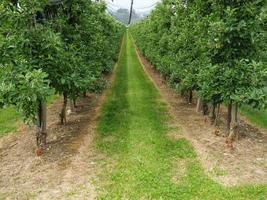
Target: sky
column 139, row 5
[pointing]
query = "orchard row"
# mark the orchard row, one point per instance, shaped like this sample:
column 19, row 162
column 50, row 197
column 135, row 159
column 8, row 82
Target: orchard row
column 216, row 49
column 53, row 46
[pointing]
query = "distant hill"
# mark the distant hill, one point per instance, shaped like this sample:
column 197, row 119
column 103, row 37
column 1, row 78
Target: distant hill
column 123, row 14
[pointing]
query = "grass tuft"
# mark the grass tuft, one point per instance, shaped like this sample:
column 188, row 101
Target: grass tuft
column 9, row 119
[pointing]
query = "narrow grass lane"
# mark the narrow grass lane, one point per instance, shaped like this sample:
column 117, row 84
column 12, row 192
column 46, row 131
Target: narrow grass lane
column 142, row 162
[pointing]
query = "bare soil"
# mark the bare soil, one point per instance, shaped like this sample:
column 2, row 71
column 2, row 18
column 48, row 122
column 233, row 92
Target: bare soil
column 245, row 163
column 66, row 169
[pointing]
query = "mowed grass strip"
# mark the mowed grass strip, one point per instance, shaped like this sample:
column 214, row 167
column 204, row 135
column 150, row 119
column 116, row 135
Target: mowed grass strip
column 141, row 161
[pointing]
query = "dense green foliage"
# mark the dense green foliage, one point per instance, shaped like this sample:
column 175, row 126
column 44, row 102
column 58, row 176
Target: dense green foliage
column 217, row 48
column 44, row 46
column 143, row 161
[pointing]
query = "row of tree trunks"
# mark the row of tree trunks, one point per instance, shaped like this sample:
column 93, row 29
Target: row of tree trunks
column 232, row 116
column 41, row 133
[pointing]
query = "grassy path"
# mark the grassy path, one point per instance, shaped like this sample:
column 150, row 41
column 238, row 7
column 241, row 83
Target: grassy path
column 142, row 162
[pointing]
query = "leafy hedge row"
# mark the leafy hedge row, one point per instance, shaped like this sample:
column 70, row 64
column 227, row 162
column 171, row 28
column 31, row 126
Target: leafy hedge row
column 216, row 48
column 47, row 46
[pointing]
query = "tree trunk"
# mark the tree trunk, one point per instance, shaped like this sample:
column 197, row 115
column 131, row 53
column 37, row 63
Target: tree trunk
column 72, row 106
column 63, row 115
column 41, row 133
column 75, row 103
column 229, row 116
column 190, row 98
column 199, row 104
column 213, row 112
column 234, row 122
column 84, row 94
column 205, row 108
column 217, row 114
column 182, row 93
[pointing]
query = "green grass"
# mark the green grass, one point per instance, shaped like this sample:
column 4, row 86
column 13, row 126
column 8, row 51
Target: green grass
column 259, row 117
column 10, row 118
column 141, row 159
column 52, row 98
column 3, row 196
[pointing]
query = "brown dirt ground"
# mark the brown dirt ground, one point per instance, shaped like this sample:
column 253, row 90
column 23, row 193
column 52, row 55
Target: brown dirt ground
column 69, row 155
column 246, row 163
column 67, row 169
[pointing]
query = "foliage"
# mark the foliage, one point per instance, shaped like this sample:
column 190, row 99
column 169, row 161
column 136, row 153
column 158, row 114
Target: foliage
column 217, row 48
column 46, row 47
